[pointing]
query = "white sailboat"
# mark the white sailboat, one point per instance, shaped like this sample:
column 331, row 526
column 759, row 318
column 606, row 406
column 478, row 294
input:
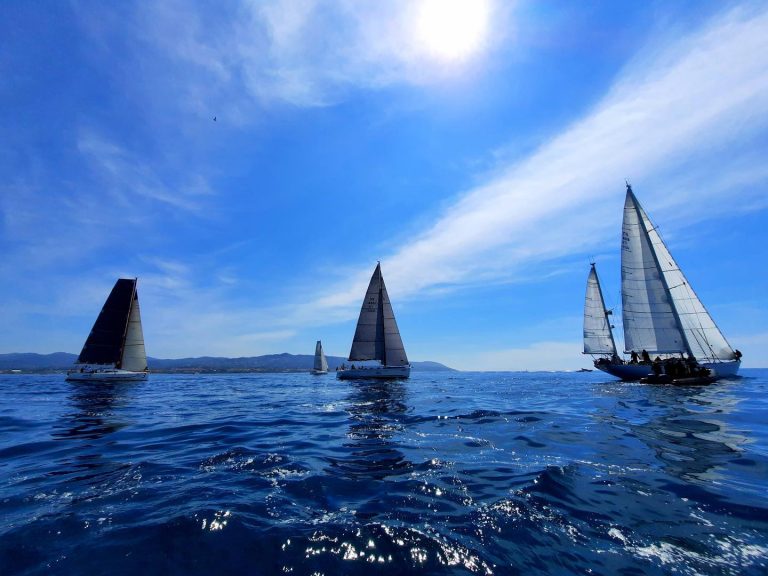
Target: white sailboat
column 114, row 350
column 377, row 337
column 662, row 315
column 321, row 364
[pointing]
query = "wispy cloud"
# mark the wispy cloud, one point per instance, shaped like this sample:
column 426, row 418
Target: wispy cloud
column 695, row 97
column 129, row 178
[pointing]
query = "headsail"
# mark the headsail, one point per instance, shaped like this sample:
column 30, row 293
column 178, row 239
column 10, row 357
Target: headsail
column 106, row 342
column 134, row 354
column 377, row 336
column 598, row 337
column 321, row 364
column 661, row 311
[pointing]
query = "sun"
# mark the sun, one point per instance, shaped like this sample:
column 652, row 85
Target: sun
column 452, row 30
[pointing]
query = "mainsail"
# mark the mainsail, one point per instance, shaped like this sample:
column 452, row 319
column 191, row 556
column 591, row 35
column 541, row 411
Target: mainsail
column 116, row 337
column 661, row 312
column 321, row 364
column 377, row 336
column 598, row 337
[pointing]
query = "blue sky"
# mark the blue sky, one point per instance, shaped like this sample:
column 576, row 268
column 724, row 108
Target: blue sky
column 480, row 157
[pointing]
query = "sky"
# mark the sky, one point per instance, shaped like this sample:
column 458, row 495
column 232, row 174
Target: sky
column 250, row 162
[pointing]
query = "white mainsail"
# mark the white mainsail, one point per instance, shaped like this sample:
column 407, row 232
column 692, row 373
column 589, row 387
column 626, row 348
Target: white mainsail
column 377, row 336
column 598, row 337
column 134, row 355
column 661, row 312
column 321, row 364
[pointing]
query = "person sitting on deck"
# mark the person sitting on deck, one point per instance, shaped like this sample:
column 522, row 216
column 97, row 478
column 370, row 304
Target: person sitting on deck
column 692, row 365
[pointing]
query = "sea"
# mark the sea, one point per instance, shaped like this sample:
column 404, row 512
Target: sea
column 445, row 473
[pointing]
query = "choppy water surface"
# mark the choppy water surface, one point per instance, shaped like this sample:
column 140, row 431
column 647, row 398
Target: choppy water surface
column 443, row 474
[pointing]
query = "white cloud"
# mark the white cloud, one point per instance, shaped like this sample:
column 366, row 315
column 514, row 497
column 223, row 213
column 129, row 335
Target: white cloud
column 308, row 52
column 697, row 97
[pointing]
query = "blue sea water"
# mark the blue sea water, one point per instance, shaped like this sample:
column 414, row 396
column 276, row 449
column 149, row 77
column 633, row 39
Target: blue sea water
column 446, row 473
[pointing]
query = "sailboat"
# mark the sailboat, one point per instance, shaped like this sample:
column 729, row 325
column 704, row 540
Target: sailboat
column 321, row 364
column 377, row 337
column 662, row 315
column 114, row 350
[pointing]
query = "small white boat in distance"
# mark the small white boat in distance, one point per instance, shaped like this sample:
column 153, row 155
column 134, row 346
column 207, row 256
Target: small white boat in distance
column 377, row 337
column 321, row 364
column 114, row 350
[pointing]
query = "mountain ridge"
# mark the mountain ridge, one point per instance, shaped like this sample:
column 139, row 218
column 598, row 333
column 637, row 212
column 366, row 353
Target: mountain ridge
column 283, row 362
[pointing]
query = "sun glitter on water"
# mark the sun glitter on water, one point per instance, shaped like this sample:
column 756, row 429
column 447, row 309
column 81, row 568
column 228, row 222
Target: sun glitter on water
column 452, row 30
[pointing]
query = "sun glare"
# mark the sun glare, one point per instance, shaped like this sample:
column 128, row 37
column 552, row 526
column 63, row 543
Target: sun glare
column 452, row 29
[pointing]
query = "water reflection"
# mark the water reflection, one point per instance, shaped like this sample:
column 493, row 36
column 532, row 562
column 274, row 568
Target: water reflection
column 92, row 418
column 93, row 410
column 685, row 427
column 376, row 412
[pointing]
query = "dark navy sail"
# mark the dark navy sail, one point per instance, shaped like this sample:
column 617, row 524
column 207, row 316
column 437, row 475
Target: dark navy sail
column 107, row 338
column 377, row 337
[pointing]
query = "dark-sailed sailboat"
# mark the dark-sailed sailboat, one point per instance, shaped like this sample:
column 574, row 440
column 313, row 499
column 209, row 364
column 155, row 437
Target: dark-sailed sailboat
column 377, row 337
column 662, row 315
column 114, row 350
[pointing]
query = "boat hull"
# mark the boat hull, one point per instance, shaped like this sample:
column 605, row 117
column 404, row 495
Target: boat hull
column 377, row 373
column 319, row 372
column 106, row 376
column 687, row 381
column 634, row 372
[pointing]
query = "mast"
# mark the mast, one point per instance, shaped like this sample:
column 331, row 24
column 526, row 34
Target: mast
column 380, row 313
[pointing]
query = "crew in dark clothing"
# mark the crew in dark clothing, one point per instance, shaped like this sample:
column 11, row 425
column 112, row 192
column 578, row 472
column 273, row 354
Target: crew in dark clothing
column 634, row 357
column 645, row 356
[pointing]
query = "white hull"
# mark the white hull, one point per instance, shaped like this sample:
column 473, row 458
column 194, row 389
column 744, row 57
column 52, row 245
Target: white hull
column 319, row 372
column 633, row 372
column 106, row 375
column 376, row 372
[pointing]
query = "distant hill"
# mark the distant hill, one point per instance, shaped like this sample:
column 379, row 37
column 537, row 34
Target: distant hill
column 31, row 362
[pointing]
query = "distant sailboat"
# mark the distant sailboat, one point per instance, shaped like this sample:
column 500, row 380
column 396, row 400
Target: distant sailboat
column 114, row 350
column 661, row 313
column 321, row 364
column 377, row 337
